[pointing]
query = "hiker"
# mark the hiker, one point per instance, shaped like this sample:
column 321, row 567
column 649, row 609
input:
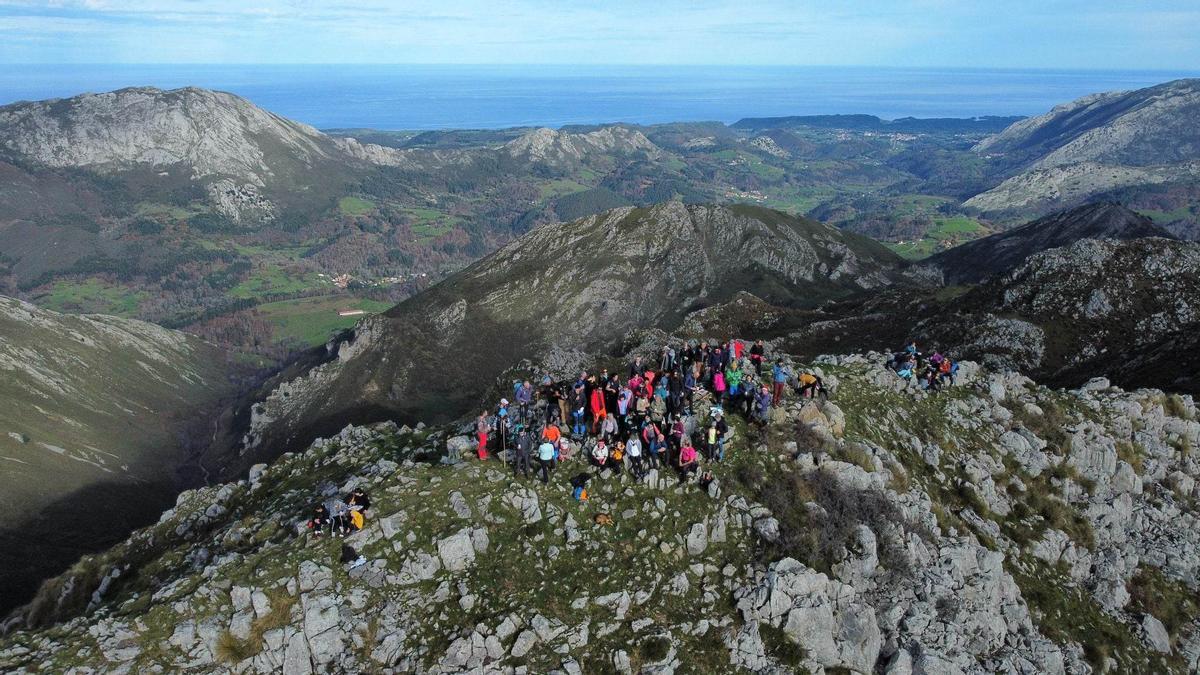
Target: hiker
column 811, row 384
column 718, row 429
column 548, row 394
column 319, row 520
column 341, row 518
column 667, row 362
column 482, row 427
column 599, row 454
column 689, row 389
column 674, row 393
column 929, row 378
column 641, row 410
column 633, row 449
column 551, row 433
column 653, row 441
column 562, row 450
column 733, row 380
column 745, row 402
column 635, row 366
column 561, row 395
column 522, row 448
column 358, row 500
column 688, row 462
column 598, row 410
column 608, row 431
column 948, row 370
column 718, row 386
column 578, row 402
column 762, row 405
column 678, row 431
column 501, row 428
column 524, row 397
column 623, row 401
column 545, row 460
column 779, row 375
column 757, row 353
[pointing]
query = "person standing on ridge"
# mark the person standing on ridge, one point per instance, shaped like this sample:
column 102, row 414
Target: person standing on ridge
column 757, row 353
column 524, row 400
column 779, row 375
column 521, row 457
column 481, row 430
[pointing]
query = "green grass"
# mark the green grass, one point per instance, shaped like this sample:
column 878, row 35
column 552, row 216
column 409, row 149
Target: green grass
column 92, row 296
column 1164, row 217
column 272, row 280
column 312, row 321
column 355, row 206
column 430, row 223
column 156, row 210
column 559, row 187
column 947, row 232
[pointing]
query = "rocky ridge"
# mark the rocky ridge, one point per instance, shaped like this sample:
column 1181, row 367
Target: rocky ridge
column 976, row 261
column 997, row 526
column 548, row 298
column 1097, row 144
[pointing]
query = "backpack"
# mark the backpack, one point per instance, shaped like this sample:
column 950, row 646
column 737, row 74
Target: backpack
column 945, row 367
column 580, row 494
column 356, row 519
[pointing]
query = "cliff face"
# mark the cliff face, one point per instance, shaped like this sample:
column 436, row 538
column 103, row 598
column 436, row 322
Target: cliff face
column 995, row 526
column 561, row 292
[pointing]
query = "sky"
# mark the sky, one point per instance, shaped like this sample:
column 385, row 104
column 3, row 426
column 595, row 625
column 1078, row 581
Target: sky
column 1058, row 34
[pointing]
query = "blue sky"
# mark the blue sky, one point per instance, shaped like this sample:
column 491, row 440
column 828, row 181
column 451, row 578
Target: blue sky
column 965, row 33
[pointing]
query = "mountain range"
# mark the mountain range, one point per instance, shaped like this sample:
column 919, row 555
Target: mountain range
column 196, row 209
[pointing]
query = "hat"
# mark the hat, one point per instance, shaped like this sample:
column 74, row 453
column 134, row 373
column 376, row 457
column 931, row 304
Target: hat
column 503, row 401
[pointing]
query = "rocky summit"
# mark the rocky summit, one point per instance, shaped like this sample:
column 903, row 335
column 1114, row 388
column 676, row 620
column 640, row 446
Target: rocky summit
column 993, row 526
column 561, row 293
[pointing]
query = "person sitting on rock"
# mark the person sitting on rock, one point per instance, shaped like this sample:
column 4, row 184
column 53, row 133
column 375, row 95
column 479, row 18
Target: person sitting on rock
column 358, row 500
column 947, row 371
column 341, row 518
column 600, row 454
column 320, row 520
column 688, row 462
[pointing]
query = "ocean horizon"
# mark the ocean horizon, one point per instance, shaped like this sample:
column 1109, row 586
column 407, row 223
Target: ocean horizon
column 426, row 97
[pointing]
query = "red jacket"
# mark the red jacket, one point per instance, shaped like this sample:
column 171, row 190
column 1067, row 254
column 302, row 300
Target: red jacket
column 598, row 402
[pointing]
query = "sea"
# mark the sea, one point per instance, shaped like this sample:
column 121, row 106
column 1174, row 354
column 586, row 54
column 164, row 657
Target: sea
column 423, row 97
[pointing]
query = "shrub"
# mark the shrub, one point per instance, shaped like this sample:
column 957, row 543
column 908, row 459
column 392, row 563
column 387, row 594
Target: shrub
column 819, row 536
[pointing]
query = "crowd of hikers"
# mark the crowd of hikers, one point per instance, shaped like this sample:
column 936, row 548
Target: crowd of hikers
column 642, row 417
